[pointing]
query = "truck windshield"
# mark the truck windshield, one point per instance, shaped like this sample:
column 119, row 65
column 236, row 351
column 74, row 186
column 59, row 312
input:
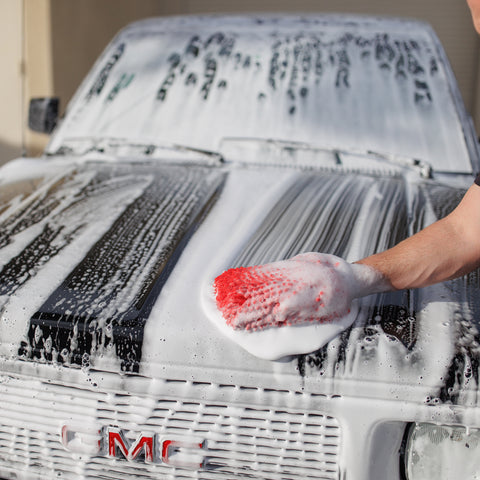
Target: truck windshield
column 329, row 81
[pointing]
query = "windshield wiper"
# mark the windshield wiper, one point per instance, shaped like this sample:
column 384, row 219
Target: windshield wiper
column 268, row 151
column 424, row 169
column 124, row 148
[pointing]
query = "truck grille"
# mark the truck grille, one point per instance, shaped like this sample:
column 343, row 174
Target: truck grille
column 239, row 440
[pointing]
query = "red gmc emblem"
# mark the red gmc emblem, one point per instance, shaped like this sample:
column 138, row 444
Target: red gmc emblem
column 148, row 447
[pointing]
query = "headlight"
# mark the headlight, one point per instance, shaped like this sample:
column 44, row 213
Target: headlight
column 442, row 452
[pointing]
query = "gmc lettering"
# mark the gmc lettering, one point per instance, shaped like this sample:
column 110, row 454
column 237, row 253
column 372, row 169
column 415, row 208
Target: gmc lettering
column 148, row 447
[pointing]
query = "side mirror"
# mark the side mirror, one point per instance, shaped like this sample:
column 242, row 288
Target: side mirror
column 43, row 114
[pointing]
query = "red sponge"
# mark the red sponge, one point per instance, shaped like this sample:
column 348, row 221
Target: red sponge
column 289, row 292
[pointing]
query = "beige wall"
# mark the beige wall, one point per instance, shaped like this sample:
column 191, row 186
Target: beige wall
column 38, row 62
column 25, row 50
column 64, row 37
column 11, row 79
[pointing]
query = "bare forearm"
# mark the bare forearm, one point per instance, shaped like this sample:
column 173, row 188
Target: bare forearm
column 446, row 249
column 431, row 256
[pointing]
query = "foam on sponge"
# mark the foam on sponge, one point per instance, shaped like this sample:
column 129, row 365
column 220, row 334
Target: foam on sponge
column 292, row 306
column 304, row 289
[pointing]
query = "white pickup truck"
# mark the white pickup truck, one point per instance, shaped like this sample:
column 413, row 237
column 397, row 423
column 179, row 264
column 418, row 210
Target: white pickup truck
column 200, row 143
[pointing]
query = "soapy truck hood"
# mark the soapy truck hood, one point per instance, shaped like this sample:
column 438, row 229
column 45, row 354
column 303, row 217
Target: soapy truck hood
column 104, row 265
column 109, row 242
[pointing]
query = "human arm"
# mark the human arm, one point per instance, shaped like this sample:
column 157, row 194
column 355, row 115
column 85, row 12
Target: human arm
column 444, row 250
column 475, row 11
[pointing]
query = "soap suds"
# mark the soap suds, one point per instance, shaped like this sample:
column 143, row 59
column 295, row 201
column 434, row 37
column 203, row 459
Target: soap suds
column 304, row 289
column 285, row 308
